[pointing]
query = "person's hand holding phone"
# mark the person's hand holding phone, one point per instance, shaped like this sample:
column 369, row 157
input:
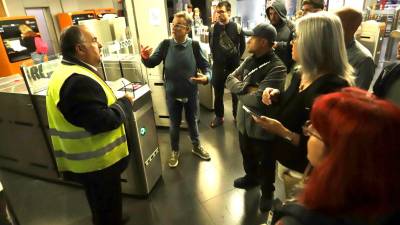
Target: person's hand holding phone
column 269, row 95
column 269, row 124
column 252, row 112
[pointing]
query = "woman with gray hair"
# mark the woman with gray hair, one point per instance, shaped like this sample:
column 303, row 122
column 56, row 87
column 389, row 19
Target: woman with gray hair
column 318, row 46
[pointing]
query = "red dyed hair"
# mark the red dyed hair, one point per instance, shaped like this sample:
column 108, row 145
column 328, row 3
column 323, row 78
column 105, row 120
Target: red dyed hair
column 360, row 174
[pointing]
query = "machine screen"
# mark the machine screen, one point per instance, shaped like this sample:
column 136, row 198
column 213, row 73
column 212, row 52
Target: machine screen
column 78, row 17
column 12, row 40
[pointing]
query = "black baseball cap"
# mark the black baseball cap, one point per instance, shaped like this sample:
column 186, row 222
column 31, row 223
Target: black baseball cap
column 263, row 30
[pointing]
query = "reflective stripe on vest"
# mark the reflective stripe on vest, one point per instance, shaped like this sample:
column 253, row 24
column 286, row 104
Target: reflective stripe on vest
column 91, row 153
column 69, row 135
column 76, row 149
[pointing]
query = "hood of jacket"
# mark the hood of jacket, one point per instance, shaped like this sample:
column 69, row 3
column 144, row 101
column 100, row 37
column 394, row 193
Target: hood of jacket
column 280, row 8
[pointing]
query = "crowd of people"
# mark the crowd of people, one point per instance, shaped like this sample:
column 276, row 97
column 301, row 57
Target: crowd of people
column 297, row 99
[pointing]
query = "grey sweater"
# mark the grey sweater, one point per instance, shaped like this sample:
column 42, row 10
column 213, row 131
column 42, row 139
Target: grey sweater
column 361, row 60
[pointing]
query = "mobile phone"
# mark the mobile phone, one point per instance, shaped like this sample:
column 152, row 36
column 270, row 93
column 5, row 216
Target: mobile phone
column 251, row 112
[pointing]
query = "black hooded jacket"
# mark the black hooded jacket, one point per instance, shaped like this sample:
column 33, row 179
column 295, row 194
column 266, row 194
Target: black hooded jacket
column 284, row 34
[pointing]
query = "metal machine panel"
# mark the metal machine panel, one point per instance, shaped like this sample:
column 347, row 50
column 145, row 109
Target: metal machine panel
column 371, row 36
column 160, row 105
column 145, row 167
column 23, row 146
column 112, row 68
column 123, row 65
column 132, row 68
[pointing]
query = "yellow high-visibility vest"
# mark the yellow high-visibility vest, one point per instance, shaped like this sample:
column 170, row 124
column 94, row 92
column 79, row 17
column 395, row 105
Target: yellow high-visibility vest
column 76, row 149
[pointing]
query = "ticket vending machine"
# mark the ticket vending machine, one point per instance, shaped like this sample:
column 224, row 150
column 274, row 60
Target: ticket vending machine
column 100, row 12
column 72, row 18
column 12, row 53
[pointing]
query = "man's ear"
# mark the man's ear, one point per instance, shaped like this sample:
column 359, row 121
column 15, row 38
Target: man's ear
column 79, row 49
column 267, row 43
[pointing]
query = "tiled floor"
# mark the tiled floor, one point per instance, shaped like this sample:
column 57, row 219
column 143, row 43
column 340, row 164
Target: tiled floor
column 196, row 192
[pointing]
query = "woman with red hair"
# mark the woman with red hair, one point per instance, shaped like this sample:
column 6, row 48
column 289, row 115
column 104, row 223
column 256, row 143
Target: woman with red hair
column 354, row 149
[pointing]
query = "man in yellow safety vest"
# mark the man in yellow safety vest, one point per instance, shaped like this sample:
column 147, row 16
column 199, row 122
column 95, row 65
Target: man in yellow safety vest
column 86, row 124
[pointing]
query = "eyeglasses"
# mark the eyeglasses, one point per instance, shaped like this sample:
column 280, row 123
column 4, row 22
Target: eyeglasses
column 179, row 26
column 309, row 130
column 221, row 11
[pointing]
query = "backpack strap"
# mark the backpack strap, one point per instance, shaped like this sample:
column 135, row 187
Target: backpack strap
column 164, row 52
column 164, row 48
column 196, row 52
column 211, row 36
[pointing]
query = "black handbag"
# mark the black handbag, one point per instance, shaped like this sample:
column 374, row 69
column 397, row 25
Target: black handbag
column 227, row 45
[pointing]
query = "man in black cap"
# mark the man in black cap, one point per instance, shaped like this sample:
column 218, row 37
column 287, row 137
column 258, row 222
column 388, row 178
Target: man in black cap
column 312, row 6
column 262, row 69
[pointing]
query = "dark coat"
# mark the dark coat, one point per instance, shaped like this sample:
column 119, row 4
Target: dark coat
column 83, row 103
column 272, row 74
column 295, row 111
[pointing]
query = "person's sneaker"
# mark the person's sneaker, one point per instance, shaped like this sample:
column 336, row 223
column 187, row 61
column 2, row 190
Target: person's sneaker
column 245, row 182
column 174, row 159
column 265, row 203
column 216, row 122
column 200, row 152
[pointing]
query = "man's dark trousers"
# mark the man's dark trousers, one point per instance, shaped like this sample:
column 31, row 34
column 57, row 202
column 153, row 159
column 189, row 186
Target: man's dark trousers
column 103, row 192
column 220, row 72
column 175, row 108
column 258, row 162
